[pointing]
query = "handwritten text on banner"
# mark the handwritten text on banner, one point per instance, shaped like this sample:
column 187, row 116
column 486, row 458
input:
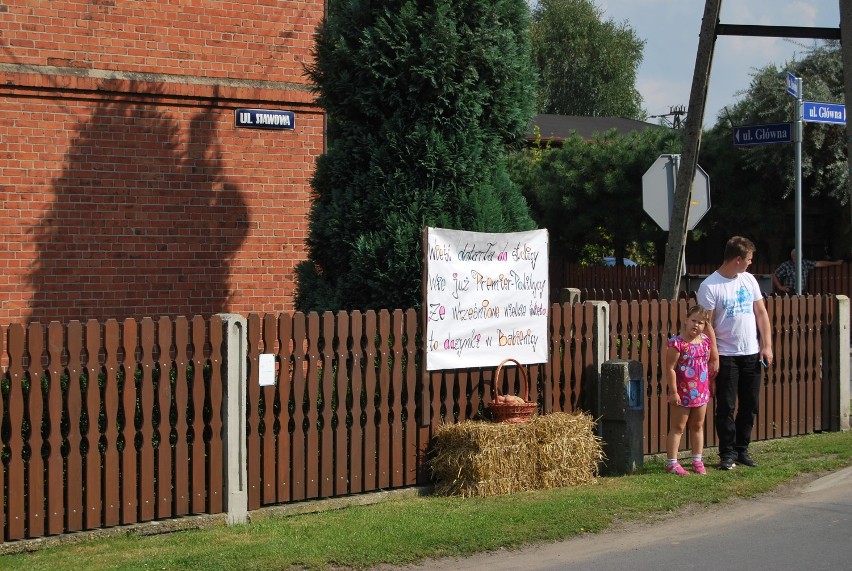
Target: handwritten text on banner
column 487, row 297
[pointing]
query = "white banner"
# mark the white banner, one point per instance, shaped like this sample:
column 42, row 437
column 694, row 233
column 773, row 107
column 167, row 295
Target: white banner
column 487, row 298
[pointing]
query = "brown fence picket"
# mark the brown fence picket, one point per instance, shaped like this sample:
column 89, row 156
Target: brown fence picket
column 182, row 463
column 4, row 405
column 411, row 387
column 74, row 489
column 200, row 362
column 253, row 437
column 395, row 391
column 312, row 460
column 284, row 477
column 52, row 479
column 326, row 411
column 215, row 465
column 112, row 456
column 297, row 394
column 38, row 376
column 267, row 417
column 16, row 516
column 340, row 413
column 370, row 386
column 356, row 440
column 160, row 421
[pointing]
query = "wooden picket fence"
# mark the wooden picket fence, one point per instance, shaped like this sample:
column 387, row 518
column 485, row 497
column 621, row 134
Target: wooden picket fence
column 114, row 423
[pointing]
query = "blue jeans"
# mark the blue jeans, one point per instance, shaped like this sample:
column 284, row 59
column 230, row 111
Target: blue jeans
column 739, row 379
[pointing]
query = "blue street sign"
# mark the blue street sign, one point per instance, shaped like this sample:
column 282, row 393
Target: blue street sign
column 265, row 119
column 763, row 134
column 792, row 85
column 816, row 112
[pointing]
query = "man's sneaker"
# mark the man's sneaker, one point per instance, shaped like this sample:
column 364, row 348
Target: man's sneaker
column 698, row 467
column 744, row 458
column 677, row 469
column 726, row 464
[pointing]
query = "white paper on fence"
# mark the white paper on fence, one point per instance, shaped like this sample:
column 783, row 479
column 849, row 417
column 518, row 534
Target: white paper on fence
column 266, row 369
column 487, row 298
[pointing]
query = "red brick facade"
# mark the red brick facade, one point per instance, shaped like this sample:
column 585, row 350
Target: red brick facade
column 126, row 188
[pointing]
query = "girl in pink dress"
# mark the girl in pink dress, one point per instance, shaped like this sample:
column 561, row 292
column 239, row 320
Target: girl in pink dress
column 689, row 389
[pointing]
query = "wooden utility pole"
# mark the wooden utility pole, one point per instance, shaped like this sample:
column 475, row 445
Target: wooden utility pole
column 689, row 154
column 846, row 59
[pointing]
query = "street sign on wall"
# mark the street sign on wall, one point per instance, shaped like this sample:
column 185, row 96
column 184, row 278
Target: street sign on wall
column 763, row 134
column 658, row 187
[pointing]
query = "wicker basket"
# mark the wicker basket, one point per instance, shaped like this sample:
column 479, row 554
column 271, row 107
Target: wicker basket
column 512, row 413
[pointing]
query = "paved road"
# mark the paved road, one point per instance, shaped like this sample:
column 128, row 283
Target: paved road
column 807, row 526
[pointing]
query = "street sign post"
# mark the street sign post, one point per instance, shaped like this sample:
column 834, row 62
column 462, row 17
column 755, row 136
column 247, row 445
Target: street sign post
column 816, row 112
column 658, row 188
column 763, row 134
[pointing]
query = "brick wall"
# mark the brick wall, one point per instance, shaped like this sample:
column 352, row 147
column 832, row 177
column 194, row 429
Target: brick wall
column 126, row 189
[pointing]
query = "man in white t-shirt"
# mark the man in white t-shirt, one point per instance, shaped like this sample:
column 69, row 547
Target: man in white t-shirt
column 737, row 314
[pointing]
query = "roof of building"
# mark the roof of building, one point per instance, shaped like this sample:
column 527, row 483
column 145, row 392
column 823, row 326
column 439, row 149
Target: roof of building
column 557, row 128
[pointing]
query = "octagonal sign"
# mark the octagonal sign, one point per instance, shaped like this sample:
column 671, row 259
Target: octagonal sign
column 658, row 188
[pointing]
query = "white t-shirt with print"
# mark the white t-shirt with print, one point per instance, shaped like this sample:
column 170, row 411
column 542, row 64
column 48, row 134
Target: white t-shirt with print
column 732, row 302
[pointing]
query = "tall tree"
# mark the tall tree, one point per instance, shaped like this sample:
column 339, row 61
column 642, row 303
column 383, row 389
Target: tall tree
column 588, row 194
column 587, row 64
column 422, row 100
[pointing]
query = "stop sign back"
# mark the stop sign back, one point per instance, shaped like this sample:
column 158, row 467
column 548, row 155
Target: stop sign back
column 658, row 188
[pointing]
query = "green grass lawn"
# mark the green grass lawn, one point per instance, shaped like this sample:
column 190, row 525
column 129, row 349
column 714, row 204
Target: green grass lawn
column 402, row 531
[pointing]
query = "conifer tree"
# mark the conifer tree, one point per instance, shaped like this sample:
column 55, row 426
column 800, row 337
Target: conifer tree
column 422, row 100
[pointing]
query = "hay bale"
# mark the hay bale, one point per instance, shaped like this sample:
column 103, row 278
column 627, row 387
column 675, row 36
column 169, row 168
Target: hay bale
column 480, row 459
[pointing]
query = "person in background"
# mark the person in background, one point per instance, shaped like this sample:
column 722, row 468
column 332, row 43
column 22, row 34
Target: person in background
column 784, row 278
column 737, row 314
column 690, row 388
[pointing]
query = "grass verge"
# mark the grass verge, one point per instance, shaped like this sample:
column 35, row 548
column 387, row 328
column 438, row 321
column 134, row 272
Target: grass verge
column 405, row 531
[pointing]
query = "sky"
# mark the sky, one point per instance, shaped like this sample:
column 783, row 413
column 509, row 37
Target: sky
column 670, row 29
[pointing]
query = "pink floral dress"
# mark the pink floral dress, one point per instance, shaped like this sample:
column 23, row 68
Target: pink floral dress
column 691, row 371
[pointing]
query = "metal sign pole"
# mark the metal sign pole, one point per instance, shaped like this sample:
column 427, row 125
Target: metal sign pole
column 798, row 142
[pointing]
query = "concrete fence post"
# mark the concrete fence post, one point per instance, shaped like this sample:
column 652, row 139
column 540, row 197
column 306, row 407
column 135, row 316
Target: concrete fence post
column 840, row 416
column 600, row 354
column 236, row 378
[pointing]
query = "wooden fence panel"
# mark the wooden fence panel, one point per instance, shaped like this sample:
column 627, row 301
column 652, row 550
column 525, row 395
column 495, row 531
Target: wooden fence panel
column 130, row 416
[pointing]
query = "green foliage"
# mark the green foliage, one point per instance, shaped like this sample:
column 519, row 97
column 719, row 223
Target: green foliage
column 587, row 64
column 588, row 194
column 422, row 100
column 765, row 173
